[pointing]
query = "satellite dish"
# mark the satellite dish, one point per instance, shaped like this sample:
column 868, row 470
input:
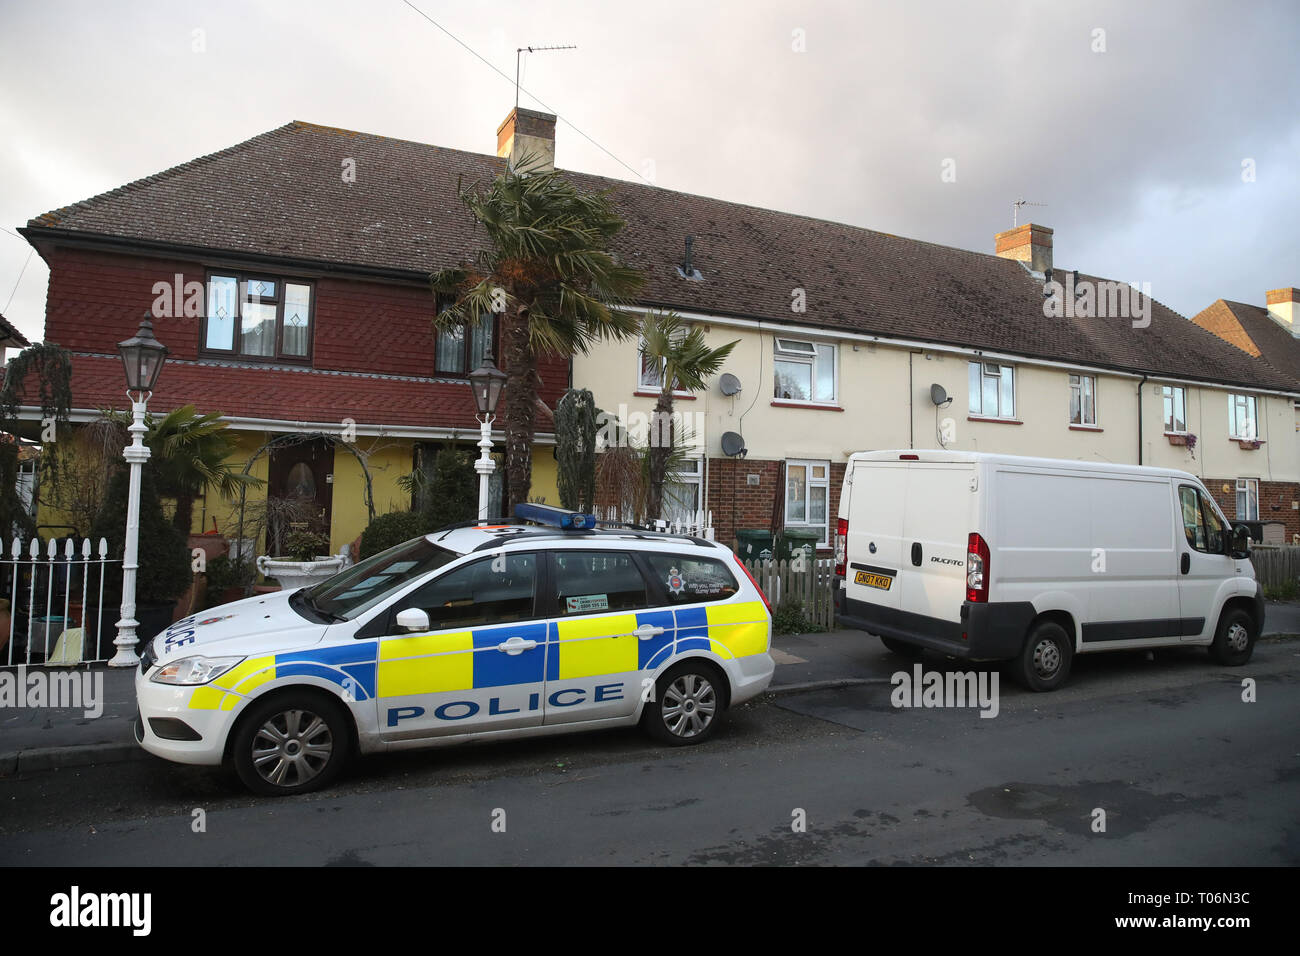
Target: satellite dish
column 729, row 384
column 733, row 444
column 937, row 394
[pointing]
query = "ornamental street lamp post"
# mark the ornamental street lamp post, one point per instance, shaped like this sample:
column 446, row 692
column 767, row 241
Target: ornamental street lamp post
column 486, row 382
column 143, row 357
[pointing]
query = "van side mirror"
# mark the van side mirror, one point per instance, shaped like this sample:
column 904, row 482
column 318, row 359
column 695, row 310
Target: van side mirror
column 413, row 620
column 1240, row 541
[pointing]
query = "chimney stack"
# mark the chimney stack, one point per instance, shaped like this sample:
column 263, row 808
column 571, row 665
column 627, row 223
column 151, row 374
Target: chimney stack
column 1030, row 244
column 528, row 135
column 1284, row 306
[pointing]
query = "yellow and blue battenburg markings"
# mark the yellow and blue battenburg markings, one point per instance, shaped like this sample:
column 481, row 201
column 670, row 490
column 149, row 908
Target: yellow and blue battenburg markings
column 441, row 661
column 350, row 666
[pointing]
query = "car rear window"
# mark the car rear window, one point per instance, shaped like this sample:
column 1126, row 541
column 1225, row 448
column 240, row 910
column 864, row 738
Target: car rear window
column 593, row 582
column 689, row 579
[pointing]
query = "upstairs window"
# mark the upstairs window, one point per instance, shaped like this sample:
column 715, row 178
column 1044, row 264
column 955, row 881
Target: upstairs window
column 258, row 318
column 1242, row 419
column 1083, row 400
column 463, row 348
column 1175, row 404
column 992, row 390
column 805, row 372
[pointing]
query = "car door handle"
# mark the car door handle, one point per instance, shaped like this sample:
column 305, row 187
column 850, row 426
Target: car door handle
column 1186, row 564
column 916, row 553
column 516, row 645
column 647, row 631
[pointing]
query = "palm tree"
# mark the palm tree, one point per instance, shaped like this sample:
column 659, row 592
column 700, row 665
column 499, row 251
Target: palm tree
column 548, row 272
column 687, row 363
column 189, row 455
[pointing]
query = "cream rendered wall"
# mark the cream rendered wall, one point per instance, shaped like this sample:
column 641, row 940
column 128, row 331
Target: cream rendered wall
column 872, row 383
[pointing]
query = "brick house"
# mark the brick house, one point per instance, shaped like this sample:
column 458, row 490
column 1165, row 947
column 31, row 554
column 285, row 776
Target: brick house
column 293, row 302
column 1271, row 334
column 844, row 332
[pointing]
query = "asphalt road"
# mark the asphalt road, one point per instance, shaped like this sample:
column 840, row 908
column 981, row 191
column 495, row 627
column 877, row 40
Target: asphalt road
column 1187, row 773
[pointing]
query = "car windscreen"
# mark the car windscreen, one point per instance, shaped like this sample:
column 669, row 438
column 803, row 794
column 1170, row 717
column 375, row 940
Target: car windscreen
column 365, row 584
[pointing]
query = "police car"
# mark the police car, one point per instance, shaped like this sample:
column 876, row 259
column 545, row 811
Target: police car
column 470, row 633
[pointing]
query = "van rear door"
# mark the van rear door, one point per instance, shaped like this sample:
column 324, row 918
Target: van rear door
column 877, row 500
column 939, row 516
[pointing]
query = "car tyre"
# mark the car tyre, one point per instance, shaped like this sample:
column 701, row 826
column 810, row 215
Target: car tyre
column 1234, row 641
column 687, row 705
column 903, row 649
column 290, row 744
column 1044, row 662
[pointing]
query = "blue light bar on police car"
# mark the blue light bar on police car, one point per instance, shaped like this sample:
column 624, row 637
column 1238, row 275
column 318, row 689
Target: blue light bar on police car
column 555, row 517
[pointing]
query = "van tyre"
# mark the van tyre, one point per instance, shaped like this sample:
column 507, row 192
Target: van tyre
column 687, row 705
column 1044, row 663
column 291, row 743
column 907, row 651
column 1234, row 641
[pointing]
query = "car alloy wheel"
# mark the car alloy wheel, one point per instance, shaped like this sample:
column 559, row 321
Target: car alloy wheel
column 292, row 747
column 689, row 705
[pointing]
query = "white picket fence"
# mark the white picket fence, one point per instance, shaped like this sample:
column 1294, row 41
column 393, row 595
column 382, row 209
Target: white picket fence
column 47, row 581
column 696, row 525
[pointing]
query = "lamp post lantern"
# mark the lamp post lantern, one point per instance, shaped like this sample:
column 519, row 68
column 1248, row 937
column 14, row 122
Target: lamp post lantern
column 486, row 382
column 143, row 357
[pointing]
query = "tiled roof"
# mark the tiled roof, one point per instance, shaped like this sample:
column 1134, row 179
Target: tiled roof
column 10, row 336
column 1250, row 328
column 289, row 394
column 282, row 194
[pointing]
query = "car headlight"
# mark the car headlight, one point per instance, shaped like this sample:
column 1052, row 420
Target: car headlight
column 194, row 670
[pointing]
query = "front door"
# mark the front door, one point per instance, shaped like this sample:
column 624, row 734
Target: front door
column 300, row 490
column 1203, row 565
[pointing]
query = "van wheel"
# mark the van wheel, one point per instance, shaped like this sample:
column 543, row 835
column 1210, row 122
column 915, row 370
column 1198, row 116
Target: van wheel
column 687, row 705
column 291, row 743
column 909, row 651
column 1234, row 641
column 1044, row 664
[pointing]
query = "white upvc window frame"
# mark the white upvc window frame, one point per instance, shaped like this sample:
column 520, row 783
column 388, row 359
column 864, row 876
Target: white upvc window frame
column 642, row 385
column 810, row 482
column 1245, row 486
column 1172, row 399
column 1243, row 410
column 681, row 486
column 1004, row 373
column 1086, row 387
column 816, row 356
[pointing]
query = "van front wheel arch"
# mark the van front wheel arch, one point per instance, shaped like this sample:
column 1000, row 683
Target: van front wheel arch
column 1234, row 641
column 1044, row 661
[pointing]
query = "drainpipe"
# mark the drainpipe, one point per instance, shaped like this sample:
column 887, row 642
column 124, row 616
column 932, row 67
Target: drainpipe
column 1140, row 384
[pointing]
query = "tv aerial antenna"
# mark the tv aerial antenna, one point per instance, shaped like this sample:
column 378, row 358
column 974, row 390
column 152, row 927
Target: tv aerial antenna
column 1015, row 207
column 520, row 51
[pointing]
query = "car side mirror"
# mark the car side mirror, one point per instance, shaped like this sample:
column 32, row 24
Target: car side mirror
column 1241, row 541
column 412, row 620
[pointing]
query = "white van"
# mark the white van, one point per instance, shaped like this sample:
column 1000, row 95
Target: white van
column 1032, row 560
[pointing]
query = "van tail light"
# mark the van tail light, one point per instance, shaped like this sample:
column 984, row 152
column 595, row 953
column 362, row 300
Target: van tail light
column 841, row 547
column 753, row 582
column 977, row 569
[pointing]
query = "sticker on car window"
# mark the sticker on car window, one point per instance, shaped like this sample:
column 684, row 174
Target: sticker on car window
column 676, row 584
column 586, row 602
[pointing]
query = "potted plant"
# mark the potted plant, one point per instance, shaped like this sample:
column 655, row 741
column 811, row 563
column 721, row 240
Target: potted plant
column 303, row 563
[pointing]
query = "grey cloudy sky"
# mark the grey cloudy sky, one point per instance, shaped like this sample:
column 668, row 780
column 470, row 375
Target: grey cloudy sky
column 1137, row 151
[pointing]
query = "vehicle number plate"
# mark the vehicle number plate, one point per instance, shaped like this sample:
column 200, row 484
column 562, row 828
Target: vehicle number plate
column 871, row 580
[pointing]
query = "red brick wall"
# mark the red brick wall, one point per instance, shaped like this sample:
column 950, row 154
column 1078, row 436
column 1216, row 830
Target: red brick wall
column 96, row 299
column 736, row 504
column 1275, row 499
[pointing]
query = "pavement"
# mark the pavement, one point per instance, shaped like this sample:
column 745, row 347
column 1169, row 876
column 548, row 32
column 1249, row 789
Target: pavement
column 46, row 738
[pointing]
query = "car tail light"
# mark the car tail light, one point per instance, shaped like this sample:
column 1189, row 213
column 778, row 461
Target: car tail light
column 977, row 569
column 841, row 547
column 753, row 582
